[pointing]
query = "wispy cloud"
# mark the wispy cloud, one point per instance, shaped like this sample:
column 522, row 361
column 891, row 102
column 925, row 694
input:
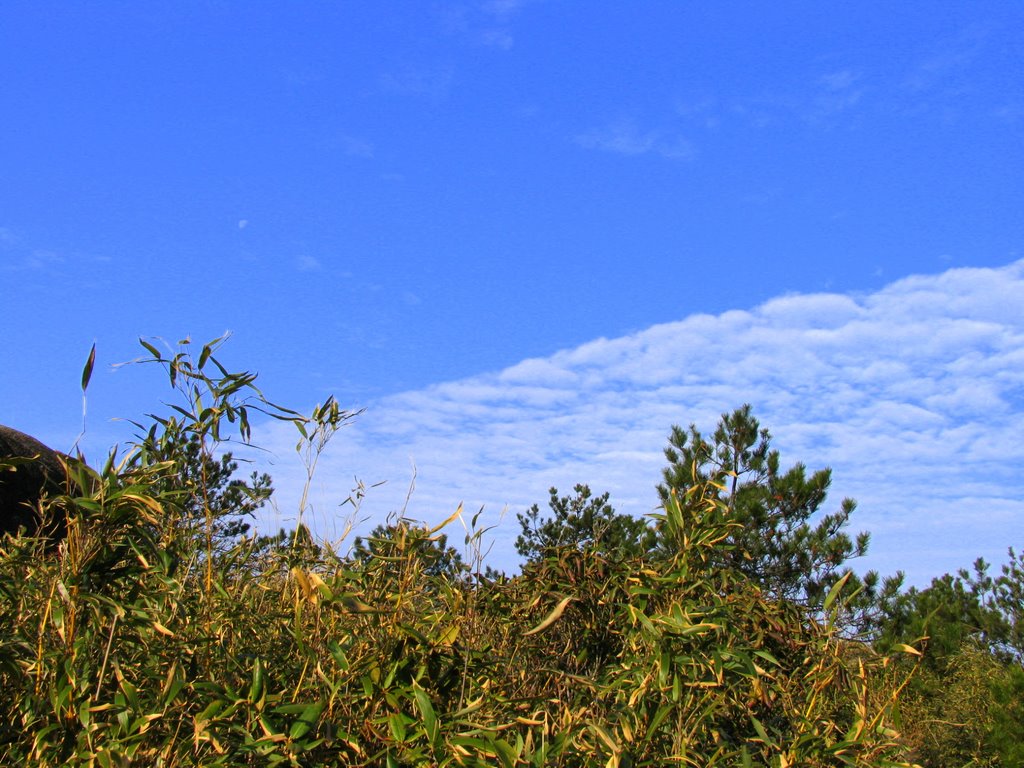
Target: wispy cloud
column 842, row 80
column 913, row 394
column 941, row 84
column 838, row 92
column 44, row 262
column 947, row 61
column 353, row 146
column 430, row 82
column 624, row 138
column 37, row 260
column 488, row 23
column 307, row 264
column 503, row 8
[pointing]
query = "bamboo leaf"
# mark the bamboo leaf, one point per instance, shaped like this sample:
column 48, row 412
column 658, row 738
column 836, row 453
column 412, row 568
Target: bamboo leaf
column 453, row 516
column 258, row 681
column 761, row 732
column 355, row 605
column 427, row 713
column 605, row 737
column 151, row 349
column 87, row 371
column 552, row 617
column 321, row 586
column 307, row 720
column 904, row 648
column 836, row 589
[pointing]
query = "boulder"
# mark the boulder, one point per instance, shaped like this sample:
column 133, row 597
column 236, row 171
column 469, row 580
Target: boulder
column 36, row 470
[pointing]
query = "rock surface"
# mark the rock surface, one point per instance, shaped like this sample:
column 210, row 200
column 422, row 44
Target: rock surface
column 22, row 485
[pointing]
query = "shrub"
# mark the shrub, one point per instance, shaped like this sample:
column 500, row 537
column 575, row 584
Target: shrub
column 143, row 643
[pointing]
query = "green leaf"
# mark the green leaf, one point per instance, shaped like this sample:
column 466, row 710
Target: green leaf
column 151, row 349
column 836, row 589
column 396, row 722
column 767, row 657
column 173, row 684
column 307, row 720
column 761, row 732
column 506, row 753
column 131, row 694
column 659, row 717
column 87, row 371
column 427, row 713
column 256, row 689
column 211, row 711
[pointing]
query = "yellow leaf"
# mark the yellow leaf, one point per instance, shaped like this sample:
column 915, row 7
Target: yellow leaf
column 605, row 737
column 448, row 637
column 147, row 501
column 162, row 629
column 554, row 616
column 528, row 721
column 457, row 513
column 906, row 649
column 302, row 580
column 321, row 587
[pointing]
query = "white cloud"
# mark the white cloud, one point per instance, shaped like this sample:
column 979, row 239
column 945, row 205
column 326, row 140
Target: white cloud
column 432, row 83
column 839, row 92
column 37, row 260
column 353, row 146
column 839, row 81
column 307, row 264
column 487, row 24
column 950, row 59
column 624, row 138
column 914, row 395
column 503, row 8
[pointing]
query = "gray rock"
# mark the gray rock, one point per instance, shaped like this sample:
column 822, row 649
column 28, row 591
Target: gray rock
column 37, row 470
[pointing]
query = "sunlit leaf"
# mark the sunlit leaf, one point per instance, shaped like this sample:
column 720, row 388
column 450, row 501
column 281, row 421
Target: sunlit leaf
column 552, row 617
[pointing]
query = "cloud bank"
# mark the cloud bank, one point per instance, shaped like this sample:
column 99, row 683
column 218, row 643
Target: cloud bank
column 914, row 395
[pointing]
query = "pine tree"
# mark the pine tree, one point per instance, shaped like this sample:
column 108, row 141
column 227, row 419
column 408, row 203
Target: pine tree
column 390, row 546
column 207, row 488
column 581, row 521
column 777, row 538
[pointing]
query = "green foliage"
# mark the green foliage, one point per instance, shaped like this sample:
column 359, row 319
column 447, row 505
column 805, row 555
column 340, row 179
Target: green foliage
column 581, row 522
column 948, row 612
column 1005, row 594
column 210, row 488
column 773, row 540
column 1006, row 733
column 969, row 608
column 963, row 706
column 950, row 714
column 135, row 647
column 391, row 543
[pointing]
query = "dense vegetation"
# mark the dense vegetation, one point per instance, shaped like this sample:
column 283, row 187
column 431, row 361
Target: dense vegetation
column 726, row 631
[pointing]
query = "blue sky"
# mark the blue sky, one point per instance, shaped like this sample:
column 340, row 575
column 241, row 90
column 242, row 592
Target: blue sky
column 415, row 206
